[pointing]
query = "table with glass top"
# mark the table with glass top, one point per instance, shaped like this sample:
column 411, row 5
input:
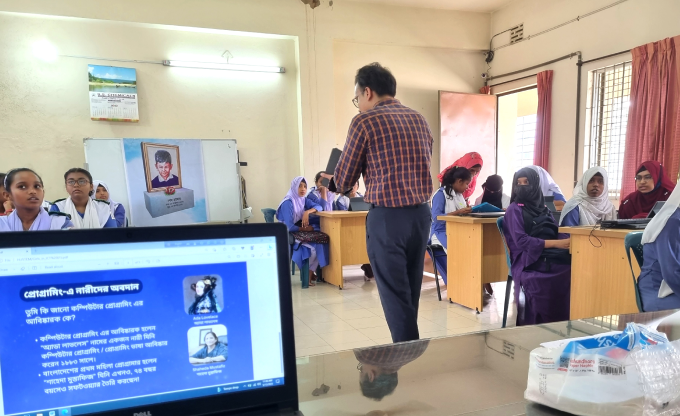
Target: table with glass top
column 478, row 374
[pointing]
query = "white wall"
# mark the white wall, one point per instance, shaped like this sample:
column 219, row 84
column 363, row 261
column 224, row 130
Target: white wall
column 425, row 30
column 620, row 28
column 420, row 72
column 44, row 107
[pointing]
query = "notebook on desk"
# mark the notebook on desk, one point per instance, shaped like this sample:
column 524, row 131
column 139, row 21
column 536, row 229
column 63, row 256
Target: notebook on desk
column 191, row 320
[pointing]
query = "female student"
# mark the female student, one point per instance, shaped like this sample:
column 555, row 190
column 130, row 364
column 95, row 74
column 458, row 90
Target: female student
column 448, row 200
column 471, row 161
column 493, row 193
column 294, row 211
column 541, row 265
column 84, row 212
column 590, row 203
column 5, row 205
column 102, row 193
column 651, row 186
column 324, row 197
column 659, row 280
column 549, row 187
column 24, row 189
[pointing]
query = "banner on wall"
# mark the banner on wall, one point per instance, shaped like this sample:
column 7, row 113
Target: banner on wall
column 113, row 93
column 166, row 182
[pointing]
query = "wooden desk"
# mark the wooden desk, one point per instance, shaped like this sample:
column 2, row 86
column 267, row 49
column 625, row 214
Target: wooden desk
column 347, row 232
column 601, row 282
column 476, row 255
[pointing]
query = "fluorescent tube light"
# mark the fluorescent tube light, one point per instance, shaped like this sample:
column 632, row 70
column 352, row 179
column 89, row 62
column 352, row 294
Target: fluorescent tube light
column 225, row 66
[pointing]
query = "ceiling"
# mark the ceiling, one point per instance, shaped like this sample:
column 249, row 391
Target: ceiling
column 484, row 6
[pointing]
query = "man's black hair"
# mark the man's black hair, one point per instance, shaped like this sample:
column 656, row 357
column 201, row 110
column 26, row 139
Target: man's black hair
column 163, row 156
column 378, row 78
column 381, row 386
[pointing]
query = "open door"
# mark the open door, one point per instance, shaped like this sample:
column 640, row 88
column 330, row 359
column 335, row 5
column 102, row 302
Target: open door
column 467, row 123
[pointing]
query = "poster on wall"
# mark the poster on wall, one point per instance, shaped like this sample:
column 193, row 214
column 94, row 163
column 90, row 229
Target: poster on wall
column 166, row 182
column 468, row 124
column 113, row 93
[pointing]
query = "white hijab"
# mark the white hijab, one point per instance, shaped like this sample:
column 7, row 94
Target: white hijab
column 592, row 209
column 548, row 185
column 656, row 225
column 96, row 213
column 113, row 204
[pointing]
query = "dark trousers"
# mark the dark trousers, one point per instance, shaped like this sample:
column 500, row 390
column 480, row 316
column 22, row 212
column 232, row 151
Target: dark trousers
column 396, row 239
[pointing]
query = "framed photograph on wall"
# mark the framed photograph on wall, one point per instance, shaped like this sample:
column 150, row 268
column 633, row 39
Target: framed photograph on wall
column 203, row 333
column 162, row 166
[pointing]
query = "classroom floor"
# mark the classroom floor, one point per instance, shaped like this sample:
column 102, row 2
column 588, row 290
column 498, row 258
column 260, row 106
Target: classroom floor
column 328, row 319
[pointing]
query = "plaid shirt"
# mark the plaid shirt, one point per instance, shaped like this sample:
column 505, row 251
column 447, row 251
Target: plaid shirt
column 391, row 145
column 392, row 357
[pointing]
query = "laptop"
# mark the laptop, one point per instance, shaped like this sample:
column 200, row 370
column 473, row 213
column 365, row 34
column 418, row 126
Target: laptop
column 332, row 163
column 486, row 214
column 193, row 320
column 358, row 204
column 636, row 223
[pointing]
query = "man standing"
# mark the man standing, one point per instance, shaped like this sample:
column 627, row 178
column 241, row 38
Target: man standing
column 391, row 145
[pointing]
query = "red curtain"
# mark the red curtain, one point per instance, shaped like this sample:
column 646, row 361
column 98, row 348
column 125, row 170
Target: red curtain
column 543, row 118
column 653, row 131
column 485, row 90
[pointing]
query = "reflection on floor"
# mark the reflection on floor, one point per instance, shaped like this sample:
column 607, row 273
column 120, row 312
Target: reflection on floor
column 328, row 319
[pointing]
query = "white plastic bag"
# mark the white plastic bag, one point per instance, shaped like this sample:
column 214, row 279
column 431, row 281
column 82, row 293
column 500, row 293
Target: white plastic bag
column 591, row 376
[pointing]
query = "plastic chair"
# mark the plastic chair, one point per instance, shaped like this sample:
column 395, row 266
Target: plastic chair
column 633, row 241
column 432, row 249
column 499, row 223
column 269, row 214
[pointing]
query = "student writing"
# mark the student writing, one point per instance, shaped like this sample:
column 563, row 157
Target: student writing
column 84, row 212
column 448, row 200
column 24, row 189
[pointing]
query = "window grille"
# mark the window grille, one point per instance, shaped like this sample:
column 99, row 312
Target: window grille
column 525, row 137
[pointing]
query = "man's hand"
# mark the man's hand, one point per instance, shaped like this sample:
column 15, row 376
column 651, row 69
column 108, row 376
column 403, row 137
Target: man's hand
column 327, row 176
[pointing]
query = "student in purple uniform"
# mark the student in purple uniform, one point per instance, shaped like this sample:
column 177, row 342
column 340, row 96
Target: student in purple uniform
column 84, row 212
column 102, row 193
column 294, row 211
column 24, row 189
column 541, row 264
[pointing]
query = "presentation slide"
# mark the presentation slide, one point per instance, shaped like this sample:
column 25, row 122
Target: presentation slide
column 91, row 337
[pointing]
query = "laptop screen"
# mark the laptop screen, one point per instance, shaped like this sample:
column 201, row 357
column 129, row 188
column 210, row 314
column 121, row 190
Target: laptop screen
column 92, row 328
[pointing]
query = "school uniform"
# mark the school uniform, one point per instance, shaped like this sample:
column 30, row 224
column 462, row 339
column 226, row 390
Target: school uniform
column 97, row 214
column 117, row 209
column 443, row 204
column 43, row 222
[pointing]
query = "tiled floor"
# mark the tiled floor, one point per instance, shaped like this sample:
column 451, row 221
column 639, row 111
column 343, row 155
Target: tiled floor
column 328, row 319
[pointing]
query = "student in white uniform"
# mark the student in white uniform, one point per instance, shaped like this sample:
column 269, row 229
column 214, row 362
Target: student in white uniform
column 84, row 212
column 24, row 189
column 448, row 200
column 102, row 193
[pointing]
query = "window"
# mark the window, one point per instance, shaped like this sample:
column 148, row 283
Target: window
column 525, row 136
column 606, row 122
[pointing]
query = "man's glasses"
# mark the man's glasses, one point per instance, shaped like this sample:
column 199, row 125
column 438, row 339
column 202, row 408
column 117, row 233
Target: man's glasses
column 355, row 101
column 80, row 182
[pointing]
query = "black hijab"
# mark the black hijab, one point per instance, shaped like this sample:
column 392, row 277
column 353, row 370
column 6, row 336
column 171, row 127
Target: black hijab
column 493, row 191
column 531, row 196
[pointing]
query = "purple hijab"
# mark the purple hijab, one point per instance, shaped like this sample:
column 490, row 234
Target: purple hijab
column 297, row 200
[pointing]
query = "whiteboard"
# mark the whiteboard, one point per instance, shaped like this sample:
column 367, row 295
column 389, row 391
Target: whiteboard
column 105, row 160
